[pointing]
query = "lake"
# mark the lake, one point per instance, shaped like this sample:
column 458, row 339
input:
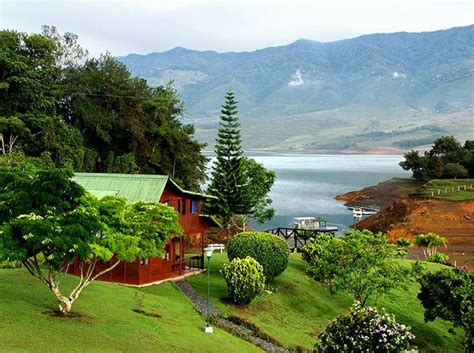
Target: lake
column 307, row 184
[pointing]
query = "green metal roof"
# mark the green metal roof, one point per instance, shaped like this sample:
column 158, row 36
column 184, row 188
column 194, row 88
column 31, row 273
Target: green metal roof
column 134, row 187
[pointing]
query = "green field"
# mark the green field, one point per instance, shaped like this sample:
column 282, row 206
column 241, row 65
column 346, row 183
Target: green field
column 447, row 189
column 299, row 308
column 107, row 324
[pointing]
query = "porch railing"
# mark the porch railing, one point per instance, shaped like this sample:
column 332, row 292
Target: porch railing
column 194, row 261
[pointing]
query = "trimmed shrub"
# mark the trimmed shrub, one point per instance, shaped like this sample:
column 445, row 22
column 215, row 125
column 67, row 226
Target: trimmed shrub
column 269, row 250
column 363, row 329
column 245, row 279
column 439, row 257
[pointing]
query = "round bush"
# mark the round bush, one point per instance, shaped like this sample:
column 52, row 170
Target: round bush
column 269, row 250
column 363, row 329
column 245, row 279
column 439, row 257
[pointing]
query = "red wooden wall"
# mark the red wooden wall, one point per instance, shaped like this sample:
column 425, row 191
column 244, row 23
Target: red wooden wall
column 173, row 262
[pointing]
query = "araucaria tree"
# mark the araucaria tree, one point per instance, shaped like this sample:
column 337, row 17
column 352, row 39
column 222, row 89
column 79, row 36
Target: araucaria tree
column 47, row 222
column 240, row 184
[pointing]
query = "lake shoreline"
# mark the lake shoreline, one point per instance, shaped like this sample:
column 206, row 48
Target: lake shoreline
column 405, row 215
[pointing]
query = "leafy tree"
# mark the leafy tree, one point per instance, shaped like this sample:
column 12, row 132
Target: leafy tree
column 129, row 126
column 240, row 184
column 91, row 115
column 361, row 262
column 68, row 52
column 449, row 294
column 260, row 182
column 414, row 162
column 446, row 159
column 28, row 74
column 10, row 130
column 430, row 243
column 444, row 145
column 47, row 215
column 455, row 170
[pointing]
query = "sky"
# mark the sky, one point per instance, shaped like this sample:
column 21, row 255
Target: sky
column 139, row 26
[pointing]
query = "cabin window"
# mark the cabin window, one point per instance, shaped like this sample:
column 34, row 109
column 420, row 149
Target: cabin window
column 145, row 261
column 182, row 206
column 166, row 254
column 168, row 202
column 194, row 206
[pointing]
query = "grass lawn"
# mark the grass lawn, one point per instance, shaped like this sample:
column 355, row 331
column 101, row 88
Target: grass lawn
column 107, row 324
column 300, row 307
column 448, row 189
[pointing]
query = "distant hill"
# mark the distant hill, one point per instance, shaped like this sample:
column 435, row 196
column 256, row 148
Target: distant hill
column 383, row 92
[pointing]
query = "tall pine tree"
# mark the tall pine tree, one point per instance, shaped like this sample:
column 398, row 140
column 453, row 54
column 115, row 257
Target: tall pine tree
column 228, row 180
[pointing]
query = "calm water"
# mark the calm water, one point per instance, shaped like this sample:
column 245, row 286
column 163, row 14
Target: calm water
column 307, row 184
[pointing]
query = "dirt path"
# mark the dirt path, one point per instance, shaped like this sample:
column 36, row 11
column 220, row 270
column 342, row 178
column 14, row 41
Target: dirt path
column 240, row 331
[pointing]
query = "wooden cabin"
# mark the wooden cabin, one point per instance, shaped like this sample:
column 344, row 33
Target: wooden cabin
column 182, row 255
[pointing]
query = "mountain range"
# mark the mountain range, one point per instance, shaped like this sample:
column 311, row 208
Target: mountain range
column 374, row 93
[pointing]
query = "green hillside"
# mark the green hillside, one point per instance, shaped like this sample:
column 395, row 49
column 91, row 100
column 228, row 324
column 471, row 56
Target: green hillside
column 394, row 90
column 293, row 313
column 299, row 308
column 106, row 322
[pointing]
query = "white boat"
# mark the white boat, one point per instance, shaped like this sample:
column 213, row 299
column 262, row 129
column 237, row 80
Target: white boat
column 361, row 211
column 312, row 223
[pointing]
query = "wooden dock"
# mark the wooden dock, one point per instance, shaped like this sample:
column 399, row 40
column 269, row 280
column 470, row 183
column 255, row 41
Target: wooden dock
column 298, row 237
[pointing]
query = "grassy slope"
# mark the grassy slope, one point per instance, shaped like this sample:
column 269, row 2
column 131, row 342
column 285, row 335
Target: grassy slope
column 448, row 189
column 108, row 323
column 300, row 308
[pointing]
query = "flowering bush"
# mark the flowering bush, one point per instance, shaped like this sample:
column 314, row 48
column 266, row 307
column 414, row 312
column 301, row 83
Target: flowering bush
column 363, row 329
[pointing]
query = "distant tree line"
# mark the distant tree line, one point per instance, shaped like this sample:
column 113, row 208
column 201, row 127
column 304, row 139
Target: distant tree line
column 447, row 159
column 59, row 108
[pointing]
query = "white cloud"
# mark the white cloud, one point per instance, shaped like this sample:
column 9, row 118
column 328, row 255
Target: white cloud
column 233, row 25
column 296, row 79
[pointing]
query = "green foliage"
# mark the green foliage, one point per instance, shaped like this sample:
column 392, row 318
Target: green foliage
column 10, row 264
column 28, row 74
column 430, row 243
column 46, row 214
column 449, row 294
column 228, row 178
column 446, row 159
column 403, row 244
column 90, row 114
column 130, row 126
column 259, row 184
column 240, row 184
column 439, row 257
column 269, row 250
column 364, row 329
column 361, row 262
column 307, row 306
column 245, row 279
